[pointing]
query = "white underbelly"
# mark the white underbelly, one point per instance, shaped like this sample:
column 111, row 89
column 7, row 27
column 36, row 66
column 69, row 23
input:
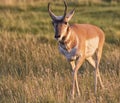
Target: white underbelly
column 70, row 55
column 91, row 46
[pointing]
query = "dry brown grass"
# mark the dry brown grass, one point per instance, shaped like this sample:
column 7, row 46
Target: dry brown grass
column 32, row 72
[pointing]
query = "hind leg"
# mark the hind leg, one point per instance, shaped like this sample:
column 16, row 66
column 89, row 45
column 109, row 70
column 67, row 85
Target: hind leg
column 97, row 74
column 98, row 58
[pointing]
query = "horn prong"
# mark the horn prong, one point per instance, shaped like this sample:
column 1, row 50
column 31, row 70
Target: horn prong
column 65, row 9
column 52, row 15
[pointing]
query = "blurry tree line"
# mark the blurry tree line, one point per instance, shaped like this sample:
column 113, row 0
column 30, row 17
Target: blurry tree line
column 111, row 0
column 35, row 1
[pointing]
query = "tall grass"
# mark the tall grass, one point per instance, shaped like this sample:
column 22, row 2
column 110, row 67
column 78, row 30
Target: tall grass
column 33, row 71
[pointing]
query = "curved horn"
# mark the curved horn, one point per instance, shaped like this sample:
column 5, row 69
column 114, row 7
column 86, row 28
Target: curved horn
column 52, row 15
column 65, row 9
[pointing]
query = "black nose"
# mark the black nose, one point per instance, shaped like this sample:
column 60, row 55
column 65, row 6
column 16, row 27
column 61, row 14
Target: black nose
column 57, row 36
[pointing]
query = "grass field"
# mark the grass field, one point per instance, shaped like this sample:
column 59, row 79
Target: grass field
column 33, row 71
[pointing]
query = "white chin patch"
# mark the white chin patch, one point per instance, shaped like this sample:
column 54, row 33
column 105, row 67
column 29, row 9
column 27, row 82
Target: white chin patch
column 59, row 39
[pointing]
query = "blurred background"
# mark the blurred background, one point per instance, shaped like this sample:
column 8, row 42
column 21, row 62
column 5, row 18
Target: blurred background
column 14, row 2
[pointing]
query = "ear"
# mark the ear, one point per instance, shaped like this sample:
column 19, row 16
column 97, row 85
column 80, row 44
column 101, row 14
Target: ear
column 69, row 15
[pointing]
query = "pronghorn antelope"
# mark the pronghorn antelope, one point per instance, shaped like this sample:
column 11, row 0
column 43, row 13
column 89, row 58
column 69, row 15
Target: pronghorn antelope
column 78, row 42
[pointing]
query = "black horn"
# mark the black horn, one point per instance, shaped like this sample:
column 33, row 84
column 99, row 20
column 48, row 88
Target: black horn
column 52, row 15
column 65, row 11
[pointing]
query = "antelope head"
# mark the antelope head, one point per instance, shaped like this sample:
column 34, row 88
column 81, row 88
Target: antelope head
column 60, row 23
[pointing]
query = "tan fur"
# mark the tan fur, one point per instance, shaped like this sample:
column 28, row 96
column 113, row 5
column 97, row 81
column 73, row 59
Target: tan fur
column 86, row 32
